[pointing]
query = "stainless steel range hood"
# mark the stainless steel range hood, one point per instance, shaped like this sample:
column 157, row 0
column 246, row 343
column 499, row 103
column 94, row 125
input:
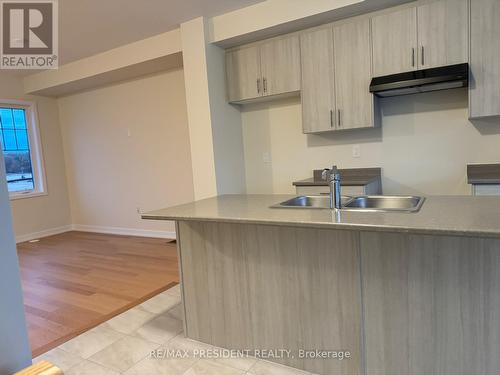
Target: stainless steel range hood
column 442, row 78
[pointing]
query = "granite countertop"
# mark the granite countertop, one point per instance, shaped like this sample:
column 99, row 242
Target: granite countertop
column 442, row 215
column 483, row 173
column 348, row 177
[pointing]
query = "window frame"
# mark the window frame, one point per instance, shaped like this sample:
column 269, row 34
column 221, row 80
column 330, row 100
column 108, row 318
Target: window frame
column 35, row 147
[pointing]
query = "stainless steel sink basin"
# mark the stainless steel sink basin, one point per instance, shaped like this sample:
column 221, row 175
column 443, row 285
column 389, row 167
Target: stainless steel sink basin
column 375, row 203
column 309, row 201
column 385, row 203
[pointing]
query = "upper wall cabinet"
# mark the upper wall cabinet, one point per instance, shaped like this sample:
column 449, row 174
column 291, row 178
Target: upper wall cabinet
column 318, row 90
column 394, row 42
column 336, row 73
column 352, row 46
column 443, row 30
column 243, row 73
column 280, row 64
column 264, row 69
column 430, row 35
column 484, row 88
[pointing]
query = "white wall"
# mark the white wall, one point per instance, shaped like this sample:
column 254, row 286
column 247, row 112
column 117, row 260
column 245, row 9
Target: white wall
column 111, row 174
column 423, row 146
column 198, row 108
column 271, row 14
column 226, row 128
column 132, row 60
column 15, row 352
column 215, row 127
column 39, row 214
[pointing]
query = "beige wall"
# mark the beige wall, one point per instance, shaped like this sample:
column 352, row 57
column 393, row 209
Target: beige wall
column 38, row 214
column 423, row 145
column 127, row 147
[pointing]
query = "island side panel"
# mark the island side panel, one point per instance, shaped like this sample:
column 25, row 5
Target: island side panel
column 273, row 287
column 181, row 284
column 431, row 304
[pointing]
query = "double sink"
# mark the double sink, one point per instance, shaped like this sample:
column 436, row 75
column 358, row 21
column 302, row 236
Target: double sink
column 369, row 203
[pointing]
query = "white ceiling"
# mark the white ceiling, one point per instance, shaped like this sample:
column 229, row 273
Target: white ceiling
column 87, row 27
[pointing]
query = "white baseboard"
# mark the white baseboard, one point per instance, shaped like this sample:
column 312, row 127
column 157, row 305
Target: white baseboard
column 96, row 229
column 43, row 233
column 124, row 231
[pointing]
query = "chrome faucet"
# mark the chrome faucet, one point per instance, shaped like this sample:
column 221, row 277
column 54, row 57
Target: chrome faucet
column 333, row 178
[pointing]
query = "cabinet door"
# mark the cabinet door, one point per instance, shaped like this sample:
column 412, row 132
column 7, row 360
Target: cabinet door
column 442, row 33
column 430, row 304
column 316, row 48
column 353, row 74
column 394, row 42
column 484, row 88
column 243, row 74
column 280, row 63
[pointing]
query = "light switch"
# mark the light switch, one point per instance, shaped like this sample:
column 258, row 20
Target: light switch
column 356, row 151
column 266, row 157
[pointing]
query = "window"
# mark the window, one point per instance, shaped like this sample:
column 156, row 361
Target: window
column 20, row 145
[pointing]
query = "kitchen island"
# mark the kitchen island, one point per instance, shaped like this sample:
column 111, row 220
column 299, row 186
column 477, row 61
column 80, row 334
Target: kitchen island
column 402, row 293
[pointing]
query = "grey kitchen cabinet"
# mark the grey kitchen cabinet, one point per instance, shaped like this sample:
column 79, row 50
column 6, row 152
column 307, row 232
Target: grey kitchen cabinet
column 432, row 34
column 394, row 42
column 318, row 90
column 280, row 65
column 484, row 87
column 352, row 65
column 263, row 69
column 430, row 304
column 336, row 73
column 443, row 33
column 243, row 73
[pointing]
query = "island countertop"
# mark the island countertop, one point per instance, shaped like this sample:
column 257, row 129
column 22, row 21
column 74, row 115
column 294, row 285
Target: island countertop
column 441, row 215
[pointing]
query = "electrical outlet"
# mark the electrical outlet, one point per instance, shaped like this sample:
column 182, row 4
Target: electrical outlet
column 138, row 210
column 356, row 151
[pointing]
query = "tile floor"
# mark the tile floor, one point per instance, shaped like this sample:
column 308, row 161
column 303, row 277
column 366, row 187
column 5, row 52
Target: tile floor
column 123, row 345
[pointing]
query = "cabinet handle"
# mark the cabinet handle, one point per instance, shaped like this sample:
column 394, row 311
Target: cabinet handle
column 423, row 56
column 258, row 85
column 331, row 118
column 413, row 57
column 265, row 84
column 340, row 122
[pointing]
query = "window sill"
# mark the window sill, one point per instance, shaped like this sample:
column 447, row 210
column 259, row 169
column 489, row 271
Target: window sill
column 33, row 194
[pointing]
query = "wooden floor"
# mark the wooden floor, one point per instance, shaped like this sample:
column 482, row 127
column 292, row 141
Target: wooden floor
column 75, row 281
